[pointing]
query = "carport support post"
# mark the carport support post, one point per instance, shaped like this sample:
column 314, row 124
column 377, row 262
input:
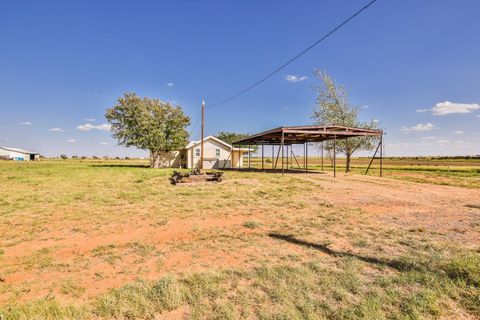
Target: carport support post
column 248, row 157
column 239, row 158
column 322, row 155
column 291, row 156
column 334, row 156
column 287, row 157
column 262, row 156
column 304, row 164
column 203, row 126
column 283, row 144
column 286, row 153
column 273, row 156
column 306, row 156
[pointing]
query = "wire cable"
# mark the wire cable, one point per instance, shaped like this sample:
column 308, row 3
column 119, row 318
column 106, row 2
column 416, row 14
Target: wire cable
column 194, row 124
column 295, row 57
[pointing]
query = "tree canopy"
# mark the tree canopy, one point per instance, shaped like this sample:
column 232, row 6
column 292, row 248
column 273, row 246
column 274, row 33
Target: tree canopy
column 148, row 124
column 333, row 108
column 231, row 137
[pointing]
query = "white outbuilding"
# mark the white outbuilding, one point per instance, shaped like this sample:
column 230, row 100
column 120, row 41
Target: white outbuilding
column 217, row 154
column 18, row 154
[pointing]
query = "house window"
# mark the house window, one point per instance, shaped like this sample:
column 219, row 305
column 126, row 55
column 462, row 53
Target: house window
column 217, row 152
column 197, row 152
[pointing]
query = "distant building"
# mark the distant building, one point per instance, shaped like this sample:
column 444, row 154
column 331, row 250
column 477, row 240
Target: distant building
column 217, row 154
column 18, row 154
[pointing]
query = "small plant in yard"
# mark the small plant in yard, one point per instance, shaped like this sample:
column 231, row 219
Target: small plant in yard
column 418, row 229
column 140, row 249
column 107, row 253
column 362, row 243
column 72, row 288
column 251, row 224
column 40, row 259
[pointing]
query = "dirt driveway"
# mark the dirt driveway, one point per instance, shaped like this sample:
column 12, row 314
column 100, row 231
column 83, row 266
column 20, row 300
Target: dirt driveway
column 450, row 210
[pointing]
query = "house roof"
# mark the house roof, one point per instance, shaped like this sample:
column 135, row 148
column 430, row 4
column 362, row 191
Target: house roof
column 194, row 143
column 18, row 150
column 302, row 134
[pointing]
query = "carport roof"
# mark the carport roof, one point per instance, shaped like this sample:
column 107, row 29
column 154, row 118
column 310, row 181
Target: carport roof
column 302, row 134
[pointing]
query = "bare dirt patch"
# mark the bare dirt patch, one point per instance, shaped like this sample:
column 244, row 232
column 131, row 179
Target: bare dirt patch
column 409, row 205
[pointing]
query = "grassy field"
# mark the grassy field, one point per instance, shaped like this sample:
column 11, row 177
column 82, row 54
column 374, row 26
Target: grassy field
column 114, row 240
column 455, row 172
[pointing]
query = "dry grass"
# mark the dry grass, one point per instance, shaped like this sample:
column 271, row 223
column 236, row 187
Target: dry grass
column 452, row 172
column 83, row 239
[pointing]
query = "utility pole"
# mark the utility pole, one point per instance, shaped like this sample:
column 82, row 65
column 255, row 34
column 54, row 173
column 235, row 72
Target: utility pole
column 203, row 127
column 322, row 155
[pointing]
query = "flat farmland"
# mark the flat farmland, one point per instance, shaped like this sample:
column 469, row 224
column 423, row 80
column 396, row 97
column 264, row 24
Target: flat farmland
column 85, row 239
column 455, row 172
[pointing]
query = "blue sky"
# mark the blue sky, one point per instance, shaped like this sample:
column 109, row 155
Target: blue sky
column 62, row 63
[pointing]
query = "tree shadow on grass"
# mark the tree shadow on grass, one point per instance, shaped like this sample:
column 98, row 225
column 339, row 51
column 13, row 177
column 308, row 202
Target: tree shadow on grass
column 275, row 171
column 464, row 270
column 111, row 165
column 473, row 206
column 395, row 264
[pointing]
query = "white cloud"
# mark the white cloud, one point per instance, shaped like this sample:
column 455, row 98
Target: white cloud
column 56, row 130
column 458, row 132
column 25, row 123
column 86, row 127
column 294, row 78
column 104, row 143
column 365, row 107
column 423, row 143
column 447, row 107
column 443, row 141
column 429, row 138
column 400, row 144
column 170, row 84
column 104, row 127
column 71, row 140
column 90, row 120
column 419, row 127
column 375, row 121
column 478, row 116
column 422, row 110
column 89, row 127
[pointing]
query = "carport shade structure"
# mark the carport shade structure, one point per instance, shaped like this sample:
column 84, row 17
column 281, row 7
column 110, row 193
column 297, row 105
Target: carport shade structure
column 288, row 136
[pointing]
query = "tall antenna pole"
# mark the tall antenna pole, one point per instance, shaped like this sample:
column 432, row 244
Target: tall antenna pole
column 203, row 127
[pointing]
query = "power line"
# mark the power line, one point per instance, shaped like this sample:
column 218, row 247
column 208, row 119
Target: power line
column 295, row 57
column 195, row 123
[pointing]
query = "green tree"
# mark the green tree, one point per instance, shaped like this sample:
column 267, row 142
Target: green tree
column 333, row 108
column 231, row 137
column 148, row 124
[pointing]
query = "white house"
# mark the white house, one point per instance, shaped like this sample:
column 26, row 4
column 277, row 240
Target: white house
column 217, row 154
column 18, row 154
